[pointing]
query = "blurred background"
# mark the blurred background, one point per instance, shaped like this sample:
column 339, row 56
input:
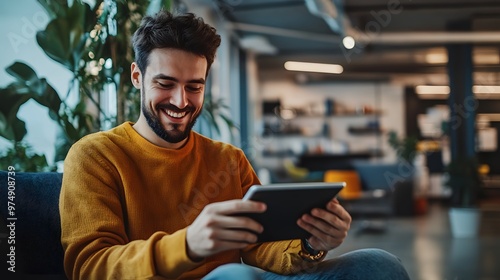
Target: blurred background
column 399, row 98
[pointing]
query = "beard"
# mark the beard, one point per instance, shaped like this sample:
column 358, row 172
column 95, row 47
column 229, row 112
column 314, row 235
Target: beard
column 175, row 135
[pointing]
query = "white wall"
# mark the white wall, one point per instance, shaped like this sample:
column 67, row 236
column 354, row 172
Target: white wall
column 221, row 70
column 19, row 21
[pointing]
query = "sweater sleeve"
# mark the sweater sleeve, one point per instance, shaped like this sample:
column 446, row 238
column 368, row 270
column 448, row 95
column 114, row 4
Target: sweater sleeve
column 280, row 257
column 94, row 234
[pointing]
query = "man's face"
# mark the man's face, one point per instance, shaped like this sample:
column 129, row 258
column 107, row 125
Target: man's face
column 172, row 92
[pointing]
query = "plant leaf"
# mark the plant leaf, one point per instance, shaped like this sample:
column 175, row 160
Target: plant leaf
column 70, row 130
column 64, row 38
column 10, row 102
column 3, row 122
column 15, row 131
column 22, row 72
column 54, row 42
column 48, row 97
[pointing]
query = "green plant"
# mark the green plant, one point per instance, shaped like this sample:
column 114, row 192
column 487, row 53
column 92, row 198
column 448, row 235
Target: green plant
column 75, row 122
column 22, row 158
column 406, row 148
column 93, row 43
column 464, row 181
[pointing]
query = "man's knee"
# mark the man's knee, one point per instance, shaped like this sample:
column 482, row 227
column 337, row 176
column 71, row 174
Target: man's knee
column 367, row 264
column 233, row 271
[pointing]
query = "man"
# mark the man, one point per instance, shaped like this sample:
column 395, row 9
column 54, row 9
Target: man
column 155, row 200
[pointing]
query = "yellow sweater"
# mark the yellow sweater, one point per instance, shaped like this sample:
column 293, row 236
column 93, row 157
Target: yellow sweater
column 125, row 205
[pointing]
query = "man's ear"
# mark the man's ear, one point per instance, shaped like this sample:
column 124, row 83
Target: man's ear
column 135, row 75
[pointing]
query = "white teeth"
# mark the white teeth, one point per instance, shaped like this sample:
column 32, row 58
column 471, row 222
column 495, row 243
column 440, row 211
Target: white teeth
column 174, row 114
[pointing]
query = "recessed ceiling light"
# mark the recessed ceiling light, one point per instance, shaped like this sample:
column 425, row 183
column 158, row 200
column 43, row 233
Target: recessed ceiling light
column 432, row 90
column 486, row 89
column 313, row 67
column 348, row 42
column 486, row 58
column 436, row 58
column 480, row 91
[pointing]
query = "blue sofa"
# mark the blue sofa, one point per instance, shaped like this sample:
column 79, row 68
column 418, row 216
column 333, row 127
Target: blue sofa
column 395, row 179
column 37, row 232
column 386, row 191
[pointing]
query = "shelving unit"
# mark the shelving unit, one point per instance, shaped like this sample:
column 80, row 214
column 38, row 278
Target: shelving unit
column 294, row 123
column 317, row 118
column 360, row 131
column 316, row 133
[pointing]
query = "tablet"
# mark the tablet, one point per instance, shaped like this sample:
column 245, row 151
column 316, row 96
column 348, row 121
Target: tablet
column 286, row 203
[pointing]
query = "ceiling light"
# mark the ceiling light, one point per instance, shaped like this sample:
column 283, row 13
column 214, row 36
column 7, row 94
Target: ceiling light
column 486, row 89
column 348, row 42
column 313, row 67
column 439, row 92
column 439, row 56
column 436, row 58
column 486, row 58
column 432, row 90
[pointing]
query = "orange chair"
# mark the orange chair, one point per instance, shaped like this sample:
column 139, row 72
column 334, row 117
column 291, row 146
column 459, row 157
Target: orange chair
column 355, row 201
column 352, row 189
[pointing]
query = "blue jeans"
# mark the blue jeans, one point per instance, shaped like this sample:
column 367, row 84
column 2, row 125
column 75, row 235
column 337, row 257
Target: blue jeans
column 361, row 264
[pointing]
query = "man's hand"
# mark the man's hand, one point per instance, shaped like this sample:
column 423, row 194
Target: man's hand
column 328, row 227
column 216, row 230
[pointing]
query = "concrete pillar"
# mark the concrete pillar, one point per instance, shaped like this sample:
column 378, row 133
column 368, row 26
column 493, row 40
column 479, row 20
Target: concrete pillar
column 461, row 100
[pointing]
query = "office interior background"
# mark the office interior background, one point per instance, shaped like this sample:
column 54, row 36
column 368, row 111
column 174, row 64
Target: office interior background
column 395, row 91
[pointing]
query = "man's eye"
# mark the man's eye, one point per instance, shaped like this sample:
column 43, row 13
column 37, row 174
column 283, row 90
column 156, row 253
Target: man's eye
column 194, row 89
column 165, row 85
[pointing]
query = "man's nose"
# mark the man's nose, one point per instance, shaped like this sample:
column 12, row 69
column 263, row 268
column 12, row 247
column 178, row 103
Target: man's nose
column 179, row 98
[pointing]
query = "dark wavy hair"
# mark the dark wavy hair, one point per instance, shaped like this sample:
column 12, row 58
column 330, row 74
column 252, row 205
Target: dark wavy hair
column 184, row 32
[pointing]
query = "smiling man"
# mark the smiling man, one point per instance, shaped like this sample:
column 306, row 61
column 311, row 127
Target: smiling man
column 172, row 95
column 155, row 200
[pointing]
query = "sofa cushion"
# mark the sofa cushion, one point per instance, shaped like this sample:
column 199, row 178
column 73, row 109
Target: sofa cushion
column 38, row 247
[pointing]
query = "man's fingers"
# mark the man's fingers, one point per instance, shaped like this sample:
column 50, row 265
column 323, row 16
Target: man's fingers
column 238, row 236
column 328, row 227
column 322, row 241
column 236, row 222
column 236, row 206
column 339, row 211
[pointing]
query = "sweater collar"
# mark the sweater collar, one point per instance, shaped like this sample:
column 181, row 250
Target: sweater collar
column 151, row 148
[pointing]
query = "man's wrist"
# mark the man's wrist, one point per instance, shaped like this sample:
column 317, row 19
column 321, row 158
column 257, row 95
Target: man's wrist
column 192, row 255
column 308, row 253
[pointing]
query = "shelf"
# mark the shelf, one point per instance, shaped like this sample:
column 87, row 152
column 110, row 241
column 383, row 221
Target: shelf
column 279, row 154
column 294, row 136
column 365, row 130
column 345, row 115
column 374, row 114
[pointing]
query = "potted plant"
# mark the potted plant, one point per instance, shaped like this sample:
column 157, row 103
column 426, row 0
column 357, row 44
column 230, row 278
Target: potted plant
column 84, row 39
column 407, row 152
column 465, row 184
column 406, row 148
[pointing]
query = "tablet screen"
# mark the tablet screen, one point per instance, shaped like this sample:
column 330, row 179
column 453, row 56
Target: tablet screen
column 286, row 203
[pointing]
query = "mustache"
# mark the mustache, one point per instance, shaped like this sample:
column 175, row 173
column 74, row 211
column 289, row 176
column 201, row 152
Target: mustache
column 174, row 108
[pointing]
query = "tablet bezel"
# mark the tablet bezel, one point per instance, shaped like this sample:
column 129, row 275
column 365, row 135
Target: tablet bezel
column 295, row 199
